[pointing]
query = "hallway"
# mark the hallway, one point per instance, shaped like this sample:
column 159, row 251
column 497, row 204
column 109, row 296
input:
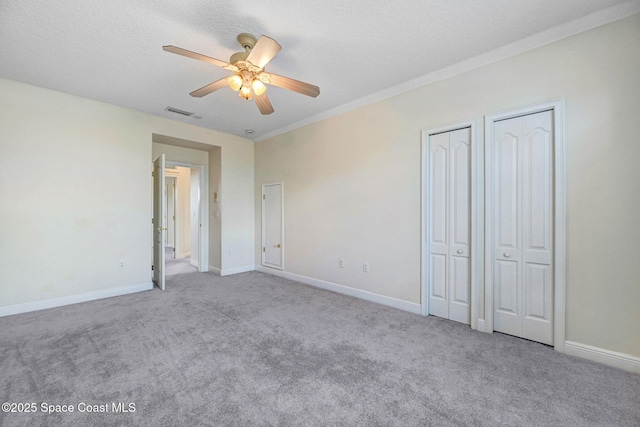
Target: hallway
column 174, row 266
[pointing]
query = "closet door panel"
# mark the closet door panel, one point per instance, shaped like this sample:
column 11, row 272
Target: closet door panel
column 438, row 225
column 450, row 225
column 523, row 226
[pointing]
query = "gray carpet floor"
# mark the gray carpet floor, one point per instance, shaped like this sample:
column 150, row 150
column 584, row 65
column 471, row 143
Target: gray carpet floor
column 256, row 350
column 173, row 266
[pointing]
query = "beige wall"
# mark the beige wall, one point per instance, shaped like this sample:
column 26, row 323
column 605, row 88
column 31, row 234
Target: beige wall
column 352, row 182
column 68, row 221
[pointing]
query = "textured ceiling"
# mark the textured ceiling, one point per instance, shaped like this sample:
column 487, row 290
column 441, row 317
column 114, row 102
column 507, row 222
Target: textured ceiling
column 355, row 51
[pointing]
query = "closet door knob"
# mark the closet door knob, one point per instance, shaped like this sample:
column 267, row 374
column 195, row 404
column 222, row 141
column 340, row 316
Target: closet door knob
column 506, row 255
column 459, row 251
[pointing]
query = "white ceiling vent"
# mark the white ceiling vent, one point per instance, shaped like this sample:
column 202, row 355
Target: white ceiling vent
column 179, row 111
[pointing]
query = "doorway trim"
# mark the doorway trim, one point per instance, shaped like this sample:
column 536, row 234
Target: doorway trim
column 559, row 200
column 477, row 198
column 203, row 213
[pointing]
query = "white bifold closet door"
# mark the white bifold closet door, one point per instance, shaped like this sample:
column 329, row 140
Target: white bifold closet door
column 450, row 225
column 523, row 226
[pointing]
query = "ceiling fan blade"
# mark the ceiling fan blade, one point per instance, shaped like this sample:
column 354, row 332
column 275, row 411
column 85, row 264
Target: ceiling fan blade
column 211, row 87
column 263, row 103
column 200, row 57
column 291, row 84
column 264, row 51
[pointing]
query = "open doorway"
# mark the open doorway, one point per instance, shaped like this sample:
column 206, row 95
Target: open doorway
column 201, row 222
column 179, row 212
column 183, row 219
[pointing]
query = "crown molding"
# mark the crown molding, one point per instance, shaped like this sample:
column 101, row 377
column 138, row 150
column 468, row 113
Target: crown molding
column 546, row 37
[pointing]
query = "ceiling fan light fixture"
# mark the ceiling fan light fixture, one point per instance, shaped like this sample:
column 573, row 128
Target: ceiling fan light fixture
column 245, row 92
column 235, row 82
column 258, row 87
column 248, row 72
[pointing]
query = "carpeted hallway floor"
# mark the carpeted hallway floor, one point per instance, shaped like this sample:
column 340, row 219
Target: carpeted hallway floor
column 256, row 350
column 173, row 266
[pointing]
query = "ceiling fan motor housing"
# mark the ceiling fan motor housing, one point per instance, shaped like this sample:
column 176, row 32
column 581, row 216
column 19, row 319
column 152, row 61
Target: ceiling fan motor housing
column 238, row 57
column 247, row 41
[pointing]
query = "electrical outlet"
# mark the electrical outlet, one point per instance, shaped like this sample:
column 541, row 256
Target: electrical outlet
column 341, row 263
column 121, row 263
column 365, row 267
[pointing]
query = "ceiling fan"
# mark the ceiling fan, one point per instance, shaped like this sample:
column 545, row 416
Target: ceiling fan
column 249, row 76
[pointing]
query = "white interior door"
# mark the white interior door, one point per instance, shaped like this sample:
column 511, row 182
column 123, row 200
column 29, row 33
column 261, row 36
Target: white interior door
column 449, row 225
column 273, row 225
column 523, row 226
column 159, row 213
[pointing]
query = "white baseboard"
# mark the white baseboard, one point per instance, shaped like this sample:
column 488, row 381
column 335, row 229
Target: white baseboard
column 601, row 355
column 345, row 290
column 481, row 325
column 236, row 270
column 215, row 270
column 73, row 299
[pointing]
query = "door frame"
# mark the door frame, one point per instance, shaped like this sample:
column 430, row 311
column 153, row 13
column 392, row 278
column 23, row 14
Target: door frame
column 203, row 214
column 263, row 244
column 476, row 216
column 559, row 201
